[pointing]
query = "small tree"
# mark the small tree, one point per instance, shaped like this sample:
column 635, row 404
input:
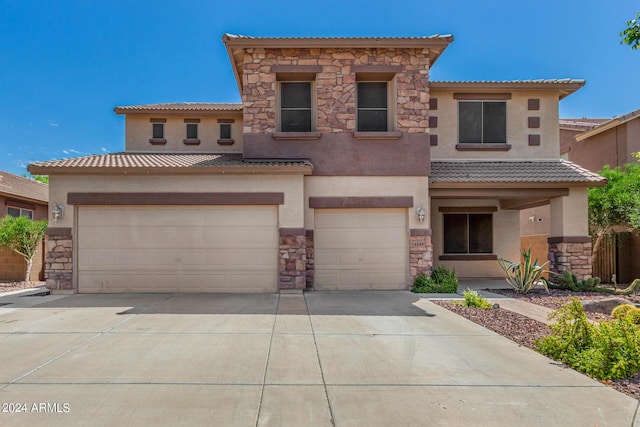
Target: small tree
column 22, row 236
column 616, row 206
column 631, row 34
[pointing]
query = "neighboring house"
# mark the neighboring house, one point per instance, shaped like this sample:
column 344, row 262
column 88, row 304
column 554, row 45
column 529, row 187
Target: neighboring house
column 593, row 143
column 343, row 168
column 21, row 197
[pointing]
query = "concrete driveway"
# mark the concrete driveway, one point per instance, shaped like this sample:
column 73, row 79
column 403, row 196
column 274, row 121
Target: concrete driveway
column 325, row 358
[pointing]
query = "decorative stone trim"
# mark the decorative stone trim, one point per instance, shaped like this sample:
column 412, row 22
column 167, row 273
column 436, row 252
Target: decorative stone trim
column 571, row 253
column 533, row 122
column 483, row 147
column 293, row 259
column 59, row 259
column 420, row 253
column 534, row 140
column 533, row 104
column 433, row 140
column 311, row 260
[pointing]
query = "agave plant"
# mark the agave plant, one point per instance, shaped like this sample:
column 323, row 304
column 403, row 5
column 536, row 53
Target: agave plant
column 524, row 276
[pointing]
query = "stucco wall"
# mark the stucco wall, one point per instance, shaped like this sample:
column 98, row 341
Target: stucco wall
column 570, row 214
column 138, row 131
column 506, row 238
column 595, row 152
column 517, row 128
column 352, row 186
column 290, row 213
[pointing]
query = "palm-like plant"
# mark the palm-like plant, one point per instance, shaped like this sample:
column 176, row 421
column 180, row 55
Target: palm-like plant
column 524, row 276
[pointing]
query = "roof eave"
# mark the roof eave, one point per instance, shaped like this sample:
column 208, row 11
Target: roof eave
column 516, row 184
column 199, row 170
column 126, row 112
column 614, row 122
column 565, row 89
column 24, row 198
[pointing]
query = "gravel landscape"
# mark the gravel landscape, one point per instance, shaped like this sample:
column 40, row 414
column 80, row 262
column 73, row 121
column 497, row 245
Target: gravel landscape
column 526, row 331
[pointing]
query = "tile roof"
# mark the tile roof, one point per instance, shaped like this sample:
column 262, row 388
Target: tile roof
column 583, row 123
column 14, row 185
column 528, row 82
column 535, row 171
column 446, row 37
column 179, row 107
column 162, row 162
column 608, row 124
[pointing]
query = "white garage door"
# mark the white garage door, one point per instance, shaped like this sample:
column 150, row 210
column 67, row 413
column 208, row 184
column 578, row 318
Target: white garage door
column 177, row 249
column 361, row 249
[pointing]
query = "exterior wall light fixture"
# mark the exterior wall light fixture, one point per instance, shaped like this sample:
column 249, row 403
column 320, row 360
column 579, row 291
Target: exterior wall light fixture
column 420, row 212
column 57, row 213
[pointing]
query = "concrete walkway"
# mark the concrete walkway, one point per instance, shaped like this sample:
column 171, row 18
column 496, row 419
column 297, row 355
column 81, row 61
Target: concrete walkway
column 320, row 359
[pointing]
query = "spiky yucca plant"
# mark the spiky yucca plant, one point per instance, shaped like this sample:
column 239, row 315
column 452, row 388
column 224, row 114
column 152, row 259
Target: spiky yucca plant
column 524, row 276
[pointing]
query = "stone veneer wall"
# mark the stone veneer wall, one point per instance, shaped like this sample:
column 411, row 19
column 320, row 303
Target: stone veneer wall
column 293, row 259
column 59, row 259
column 420, row 253
column 335, row 86
column 571, row 254
column 311, row 260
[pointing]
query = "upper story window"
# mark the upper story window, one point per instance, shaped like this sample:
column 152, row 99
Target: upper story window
column 18, row 212
column 158, row 130
column 296, row 108
column 225, row 131
column 373, row 107
column 482, row 122
column 192, row 131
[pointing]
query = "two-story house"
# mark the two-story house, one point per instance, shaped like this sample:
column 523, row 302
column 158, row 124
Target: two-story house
column 343, row 168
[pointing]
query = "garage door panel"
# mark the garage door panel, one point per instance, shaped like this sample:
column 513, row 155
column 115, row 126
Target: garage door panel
column 177, row 249
column 361, row 249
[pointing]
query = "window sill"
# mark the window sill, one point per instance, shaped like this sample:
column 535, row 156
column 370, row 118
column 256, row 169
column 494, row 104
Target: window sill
column 468, row 257
column 296, row 135
column 377, row 135
column 157, row 141
column 225, row 142
column 483, row 147
column 190, row 141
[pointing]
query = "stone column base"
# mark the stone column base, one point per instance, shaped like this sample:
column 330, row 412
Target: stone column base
column 293, row 259
column 311, row 267
column 58, row 258
column 571, row 253
column 420, row 252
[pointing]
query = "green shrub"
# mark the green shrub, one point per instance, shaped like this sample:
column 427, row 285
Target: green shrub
column 622, row 311
column 442, row 280
column 524, row 276
column 606, row 351
column 627, row 311
column 473, row 299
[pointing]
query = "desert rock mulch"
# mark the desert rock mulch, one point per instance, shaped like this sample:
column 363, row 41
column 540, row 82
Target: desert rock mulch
column 17, row 285
column 526, row 331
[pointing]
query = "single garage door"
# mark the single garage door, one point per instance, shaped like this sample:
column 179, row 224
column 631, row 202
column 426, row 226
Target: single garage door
column 357, row 249
column 177, row 249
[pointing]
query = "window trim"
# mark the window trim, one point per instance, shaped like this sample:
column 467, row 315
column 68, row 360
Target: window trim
column 301, row 78
column 20, row 211
column 390, row 80
column 488, row 146
column 193, row 124
column 225, row 141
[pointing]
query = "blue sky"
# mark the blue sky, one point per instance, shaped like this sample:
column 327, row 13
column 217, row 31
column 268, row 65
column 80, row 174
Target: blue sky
column 64, row 65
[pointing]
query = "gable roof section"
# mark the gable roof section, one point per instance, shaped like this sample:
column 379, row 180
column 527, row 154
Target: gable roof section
column 23, row 188
column 236, row 43
column 168, row 163
column 516, row 171
column 184, row 107
column 565, row 86
column 609, row 124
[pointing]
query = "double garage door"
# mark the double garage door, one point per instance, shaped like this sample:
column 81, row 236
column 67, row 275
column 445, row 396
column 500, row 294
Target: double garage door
column 358, row 249
column 177, row 249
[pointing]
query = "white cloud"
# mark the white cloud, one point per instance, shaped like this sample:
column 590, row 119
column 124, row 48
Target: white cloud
column 53, row 124
column 104, row 150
